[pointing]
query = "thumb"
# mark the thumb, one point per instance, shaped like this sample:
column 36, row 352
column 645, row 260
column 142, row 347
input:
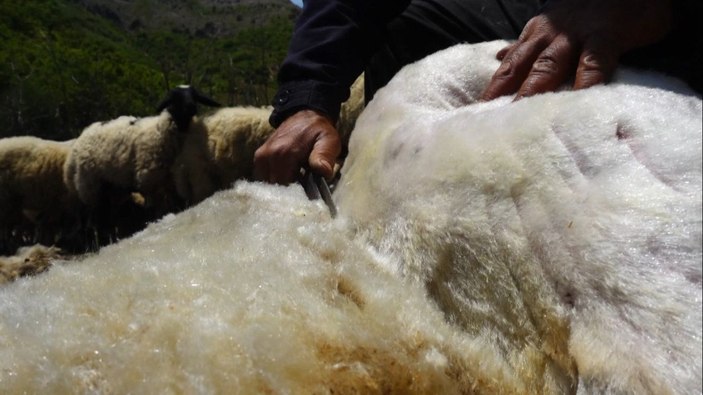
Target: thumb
column 324, row 153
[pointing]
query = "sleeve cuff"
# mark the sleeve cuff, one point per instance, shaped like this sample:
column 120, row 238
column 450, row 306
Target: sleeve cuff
column 301, row 95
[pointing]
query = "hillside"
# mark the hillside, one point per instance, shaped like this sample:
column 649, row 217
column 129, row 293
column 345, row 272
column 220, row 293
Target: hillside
column 213, row 18
column 67, row 63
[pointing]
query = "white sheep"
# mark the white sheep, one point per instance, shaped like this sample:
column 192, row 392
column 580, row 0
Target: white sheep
column 562, row 229
column 33, row 193
column 501, row 248
column 127, row 154
column 219, row 148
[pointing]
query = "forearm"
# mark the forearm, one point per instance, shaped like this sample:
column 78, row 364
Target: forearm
column 332, row 42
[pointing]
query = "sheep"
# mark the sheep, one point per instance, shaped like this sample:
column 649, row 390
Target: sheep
column 34, row 198
column 562, row 229
column 134, row 155
column 126, row 154
column 480, row 248
column 181, row 102
column 219, row 148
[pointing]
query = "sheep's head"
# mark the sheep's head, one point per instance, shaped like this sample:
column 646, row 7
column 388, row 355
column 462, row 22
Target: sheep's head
column 181, row 102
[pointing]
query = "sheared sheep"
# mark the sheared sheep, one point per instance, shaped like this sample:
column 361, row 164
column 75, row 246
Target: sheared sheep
column 35, row 202
column 493, row 254
column 562, row 230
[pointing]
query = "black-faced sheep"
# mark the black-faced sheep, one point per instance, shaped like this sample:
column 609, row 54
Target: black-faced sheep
column 219, row 148
column 133, row 155
column 111, row 161
column 182, row 103
column 35, row 202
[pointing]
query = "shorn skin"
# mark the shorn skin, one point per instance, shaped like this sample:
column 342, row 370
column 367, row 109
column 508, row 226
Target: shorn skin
column 552, row 245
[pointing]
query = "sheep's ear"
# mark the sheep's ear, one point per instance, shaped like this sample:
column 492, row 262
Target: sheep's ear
column 165, row 103
column 200, row 98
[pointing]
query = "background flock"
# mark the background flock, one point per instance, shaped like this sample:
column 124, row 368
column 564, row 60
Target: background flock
column 120, row 174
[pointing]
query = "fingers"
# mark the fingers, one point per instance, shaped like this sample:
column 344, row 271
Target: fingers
column 551, row 69
column 274, row 162
column 528, row 73
column 500, row 55
column 306, row 138
column 515, row 66
column 324, row 153
column 596, row 65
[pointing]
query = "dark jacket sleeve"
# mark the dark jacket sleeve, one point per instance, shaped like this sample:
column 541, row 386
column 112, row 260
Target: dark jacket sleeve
column 331, row 44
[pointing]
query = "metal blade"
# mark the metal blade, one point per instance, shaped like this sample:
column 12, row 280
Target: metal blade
column 316, row 187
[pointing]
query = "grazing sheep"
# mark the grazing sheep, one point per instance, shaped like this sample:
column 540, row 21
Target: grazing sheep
column 27, row 261
column 35, row 202
column 182, row 103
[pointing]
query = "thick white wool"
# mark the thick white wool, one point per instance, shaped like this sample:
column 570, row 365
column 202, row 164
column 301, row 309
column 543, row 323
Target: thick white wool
column 219, row 149
column 31, row 181
column 498, row 248
column 578, row 207
column 131, row 153
column 255, row 290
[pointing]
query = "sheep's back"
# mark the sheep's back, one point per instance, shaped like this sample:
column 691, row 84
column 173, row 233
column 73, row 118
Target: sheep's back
column 234, row 134
column 157, row 141
column 31, row 169
column 569, row 220
column 104, row 150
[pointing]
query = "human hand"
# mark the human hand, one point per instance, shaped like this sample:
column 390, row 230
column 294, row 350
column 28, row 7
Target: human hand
column 579, row 40
column 305, row 138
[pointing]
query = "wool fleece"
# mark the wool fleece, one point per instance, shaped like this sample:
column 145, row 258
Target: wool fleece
column 563, row 228
column 549, row 245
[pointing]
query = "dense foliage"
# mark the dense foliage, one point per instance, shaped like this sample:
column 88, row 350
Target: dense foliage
column 63, row 67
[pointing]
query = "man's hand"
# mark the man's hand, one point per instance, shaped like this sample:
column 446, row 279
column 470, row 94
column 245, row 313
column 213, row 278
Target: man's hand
column 577, row 39
column 305, row 138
